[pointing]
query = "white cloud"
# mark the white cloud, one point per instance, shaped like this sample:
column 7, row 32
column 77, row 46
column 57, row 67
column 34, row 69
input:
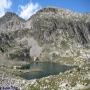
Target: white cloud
column 29, row 9
column 4, row 5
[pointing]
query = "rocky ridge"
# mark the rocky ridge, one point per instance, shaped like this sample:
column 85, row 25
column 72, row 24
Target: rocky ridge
column 11, row 22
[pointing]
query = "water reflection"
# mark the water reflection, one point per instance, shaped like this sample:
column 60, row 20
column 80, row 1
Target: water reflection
column 38, row 70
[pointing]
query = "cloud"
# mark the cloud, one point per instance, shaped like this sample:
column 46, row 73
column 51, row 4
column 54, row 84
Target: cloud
column 29, row 9
column 4, row 5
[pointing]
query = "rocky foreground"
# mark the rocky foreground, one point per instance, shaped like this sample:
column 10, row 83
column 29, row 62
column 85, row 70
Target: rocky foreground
column 75, row 79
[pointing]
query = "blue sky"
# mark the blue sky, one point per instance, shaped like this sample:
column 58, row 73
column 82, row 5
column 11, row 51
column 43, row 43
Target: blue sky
column 25, row 8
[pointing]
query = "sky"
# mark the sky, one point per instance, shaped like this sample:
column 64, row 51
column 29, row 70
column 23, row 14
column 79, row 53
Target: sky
column 26, row 8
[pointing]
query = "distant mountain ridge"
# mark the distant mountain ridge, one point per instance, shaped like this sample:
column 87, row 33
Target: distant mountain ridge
column 10, row 22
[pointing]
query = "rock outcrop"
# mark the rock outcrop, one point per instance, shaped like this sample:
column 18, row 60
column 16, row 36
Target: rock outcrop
column 50, row 22
column 11, row 22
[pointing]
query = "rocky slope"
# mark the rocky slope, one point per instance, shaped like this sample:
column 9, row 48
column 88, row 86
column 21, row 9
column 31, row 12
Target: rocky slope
column 11, row 22
column 60, row 31
column 51, row 34
column 51, row 21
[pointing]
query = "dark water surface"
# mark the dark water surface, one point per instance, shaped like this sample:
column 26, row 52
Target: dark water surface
column 38, row 70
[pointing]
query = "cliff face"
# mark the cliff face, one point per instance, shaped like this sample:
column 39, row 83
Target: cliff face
column 50, row 22
column 11, row 22
column 58, row 32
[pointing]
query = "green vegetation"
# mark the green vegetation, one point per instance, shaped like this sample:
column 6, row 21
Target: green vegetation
column 64, row 44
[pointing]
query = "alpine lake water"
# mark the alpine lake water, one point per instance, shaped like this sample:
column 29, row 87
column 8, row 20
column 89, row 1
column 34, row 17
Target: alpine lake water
column 37, row 70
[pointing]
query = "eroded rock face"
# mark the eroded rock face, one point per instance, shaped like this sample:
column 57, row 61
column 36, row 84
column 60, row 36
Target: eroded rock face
column 34, row 48
column 48, row 22
column 54, row 30
column 11, row 22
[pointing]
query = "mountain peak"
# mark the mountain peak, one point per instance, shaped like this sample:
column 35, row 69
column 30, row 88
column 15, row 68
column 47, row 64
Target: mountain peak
column 49, row 9
column 11, row 22
column 10, row 13
column 55, row 10
column 64, row 13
